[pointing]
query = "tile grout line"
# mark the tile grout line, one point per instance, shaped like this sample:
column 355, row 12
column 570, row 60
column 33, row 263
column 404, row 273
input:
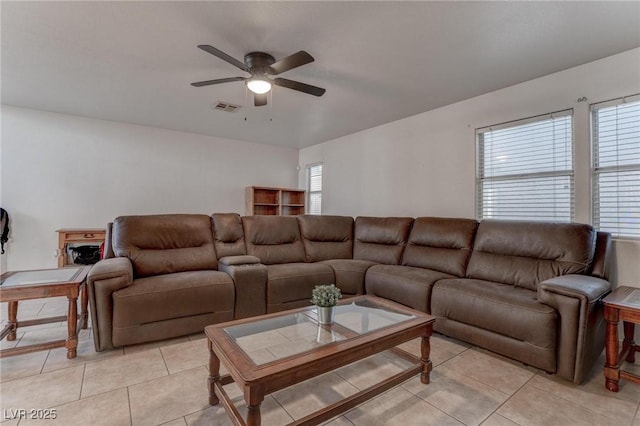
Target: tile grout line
column 46, row 358
column 442, row 411
column 84, row 371
column 164, row 361
column 510, row 397
column 130, row 413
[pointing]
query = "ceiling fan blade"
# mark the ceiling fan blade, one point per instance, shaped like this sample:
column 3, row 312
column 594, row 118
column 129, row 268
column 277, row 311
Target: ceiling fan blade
column 218, row 81
column 300, row 87
column 220, row 54
column 291, row 62
column 260, row 100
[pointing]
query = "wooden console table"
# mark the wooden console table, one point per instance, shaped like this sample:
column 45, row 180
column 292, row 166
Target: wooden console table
column 70, row 236
column 623, row 304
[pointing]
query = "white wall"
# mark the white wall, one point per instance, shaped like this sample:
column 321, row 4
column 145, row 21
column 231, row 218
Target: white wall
column 63, row 171
column 425, row 165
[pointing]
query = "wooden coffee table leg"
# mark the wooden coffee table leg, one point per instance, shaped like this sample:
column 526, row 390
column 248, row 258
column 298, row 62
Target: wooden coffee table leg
column 13, row 320
column 425, row 349
column 253, row 397
column 214, row 374
column 72, row 325
column 611, row 368
column 253, row 415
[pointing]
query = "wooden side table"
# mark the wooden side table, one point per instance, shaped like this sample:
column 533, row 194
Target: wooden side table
column 70, row 236
column 623, row 304
column 24, row 285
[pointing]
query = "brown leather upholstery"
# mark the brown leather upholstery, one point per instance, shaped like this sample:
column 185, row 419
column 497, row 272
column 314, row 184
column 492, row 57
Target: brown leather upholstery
column 513, row 313
column 289, row 285
column 577, row 298
column 526, row 253
column 108, row 247
column 250, row 281
column 104, row 278
column 602, row 256
column 526, row 290
column 349, row 274
column 228, row 235
column 403, row 284
column 273, row 239
column 207, row 294
column 163, row 244
column 381, row 239
column 326, row 237
column 440, row 244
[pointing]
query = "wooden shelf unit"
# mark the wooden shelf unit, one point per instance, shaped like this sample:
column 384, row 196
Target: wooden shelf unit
column 263, row 200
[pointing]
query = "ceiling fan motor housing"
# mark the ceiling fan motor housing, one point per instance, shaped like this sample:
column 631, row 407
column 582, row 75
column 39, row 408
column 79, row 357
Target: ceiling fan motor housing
column 259, row 62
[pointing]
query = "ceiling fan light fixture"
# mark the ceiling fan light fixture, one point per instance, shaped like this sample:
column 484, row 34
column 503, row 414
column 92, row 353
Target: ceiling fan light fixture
column 259, row 86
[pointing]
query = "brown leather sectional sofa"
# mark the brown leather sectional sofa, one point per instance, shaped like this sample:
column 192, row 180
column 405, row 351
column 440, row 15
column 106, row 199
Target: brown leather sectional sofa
column 527, row 290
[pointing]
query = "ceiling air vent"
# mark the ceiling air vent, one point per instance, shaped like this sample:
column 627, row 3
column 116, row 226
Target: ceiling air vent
column 226, row 106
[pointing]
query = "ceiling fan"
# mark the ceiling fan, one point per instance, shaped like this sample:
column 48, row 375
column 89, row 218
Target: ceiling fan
column 262, row 65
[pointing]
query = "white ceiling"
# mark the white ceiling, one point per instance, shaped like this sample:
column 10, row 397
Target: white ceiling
column 379, row 61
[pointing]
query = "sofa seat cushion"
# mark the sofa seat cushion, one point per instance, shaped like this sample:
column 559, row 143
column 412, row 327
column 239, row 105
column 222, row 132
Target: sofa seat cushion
column 350, row 274
column 172, row 296
column 510, row 311
column 403, row 284
column 289, row 285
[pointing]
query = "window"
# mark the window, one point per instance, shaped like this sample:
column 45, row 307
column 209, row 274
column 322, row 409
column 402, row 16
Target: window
column 525, row 169
column 616, row 166
column 314, row 188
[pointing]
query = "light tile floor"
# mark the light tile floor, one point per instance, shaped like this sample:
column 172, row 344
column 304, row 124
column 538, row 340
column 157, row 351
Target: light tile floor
column 164, row 383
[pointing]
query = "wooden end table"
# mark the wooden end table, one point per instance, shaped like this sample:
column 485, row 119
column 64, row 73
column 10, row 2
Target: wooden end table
column 24, row 285
column 623, row 304
column 270, row 352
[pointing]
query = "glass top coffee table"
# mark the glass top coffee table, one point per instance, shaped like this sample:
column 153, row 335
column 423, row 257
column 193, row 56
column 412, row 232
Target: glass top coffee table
column 24, row 285
column 271, row 352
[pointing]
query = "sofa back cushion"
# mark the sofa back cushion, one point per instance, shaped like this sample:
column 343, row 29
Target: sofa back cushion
column 380, row 239
column 163, row 244
column 326, row 237
column 526, row 253
column 228, row 235
column 440, row 244
column 273, row 239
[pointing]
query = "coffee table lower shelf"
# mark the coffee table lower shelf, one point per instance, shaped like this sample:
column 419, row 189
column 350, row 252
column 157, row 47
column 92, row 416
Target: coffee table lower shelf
column 218, row 394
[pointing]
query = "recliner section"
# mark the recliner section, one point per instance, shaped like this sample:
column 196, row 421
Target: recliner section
column 528, row 290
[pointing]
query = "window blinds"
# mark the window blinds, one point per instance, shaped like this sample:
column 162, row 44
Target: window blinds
column 315, row 189
column 525, row 169
column 616, row 166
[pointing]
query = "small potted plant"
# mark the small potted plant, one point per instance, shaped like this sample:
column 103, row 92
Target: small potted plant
column 325, row 297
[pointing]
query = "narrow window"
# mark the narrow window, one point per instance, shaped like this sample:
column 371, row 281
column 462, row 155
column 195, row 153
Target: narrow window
column 616, row 166
column 314, row 188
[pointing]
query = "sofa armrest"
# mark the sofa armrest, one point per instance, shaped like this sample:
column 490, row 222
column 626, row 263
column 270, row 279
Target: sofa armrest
column 581, row 322
column 105, row 277
column 238, row 260
column 250, row 282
